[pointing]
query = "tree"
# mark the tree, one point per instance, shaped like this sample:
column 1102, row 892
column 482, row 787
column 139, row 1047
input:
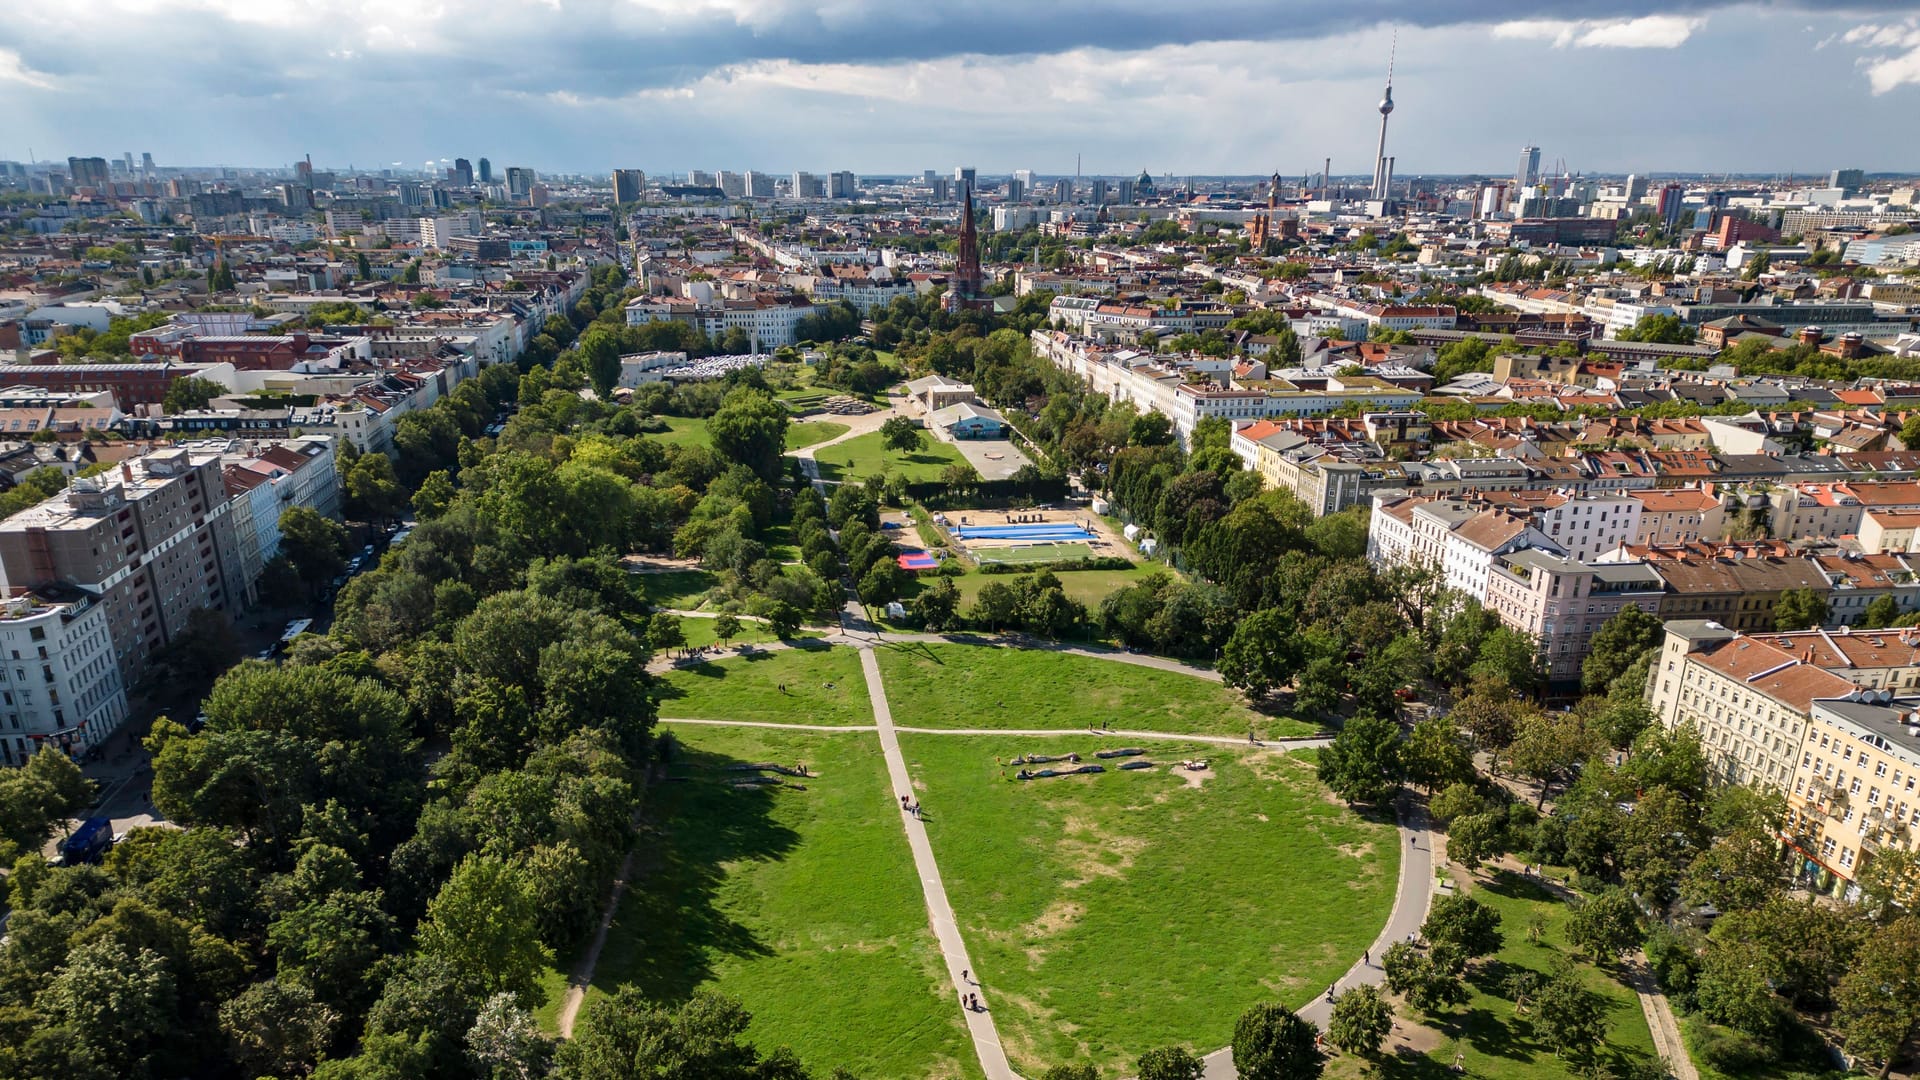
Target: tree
column 506, row 1043
column 1618, row 643
column 484, row 923
column 362, row 269
column 47, row 789
column 1071, row 1072
column 1262, row 655
column 901, row 434
column 1428, row 982
column 622, row 1036
column 434, row 497
column 373, row 492
column 1606, row 925
column 1435, row 756
column 1799, row 609
column 1739, row 872
column 1461, row 923
column 1476, row 838
column 315, row 545
column 1170, row 1063
column 1362, row 1019
column 117, row 1004
column 751, row 428
column 1879, row 1000
column 1660, row 330
column 220, row 278
column 938, row 605
column 1460, row 799
column 1271, row 1042
column 277, row 1029
column 190, row 392
column 1548, row 744
column 664, row 632
column 1567, row 1017
column 1884, row 610
column 726, row 627
column 1362, row 764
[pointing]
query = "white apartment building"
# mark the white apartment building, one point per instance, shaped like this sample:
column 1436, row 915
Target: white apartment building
column 1747, row 698
column 1589, row 526
column 1459, row 538
column 59, row 680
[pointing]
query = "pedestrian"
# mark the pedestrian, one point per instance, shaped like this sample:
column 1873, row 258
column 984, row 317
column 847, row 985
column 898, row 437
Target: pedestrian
column 966, row 975
column 1329, row 992
column 1249, row 736
column 904, row 806
column 1366, row 958
column 1410, row 842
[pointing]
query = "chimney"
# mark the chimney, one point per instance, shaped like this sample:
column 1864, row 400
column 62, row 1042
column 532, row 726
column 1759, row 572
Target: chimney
column 126, row 472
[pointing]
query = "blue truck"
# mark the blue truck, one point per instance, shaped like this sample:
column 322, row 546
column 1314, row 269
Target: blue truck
column 88, row 842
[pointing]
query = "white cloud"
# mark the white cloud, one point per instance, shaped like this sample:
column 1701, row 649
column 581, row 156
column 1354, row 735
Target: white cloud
column 1888, row 70
column 1646, row 32
column 14, row 69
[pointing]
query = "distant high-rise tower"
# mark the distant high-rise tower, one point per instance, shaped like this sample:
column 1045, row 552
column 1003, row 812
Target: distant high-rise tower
column 965, row 174
column 968, row 282
column 627, row 185
column 87, row 172
column 462, row 172
column 486, row 171
column 1528, row 174
column 1380, row 156
column 146, row 164
column 520, row 181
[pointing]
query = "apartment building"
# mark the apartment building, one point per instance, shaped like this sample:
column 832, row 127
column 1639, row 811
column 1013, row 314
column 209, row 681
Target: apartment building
column 1562, row 602
column 1678, row 516
column 1827, row 718
column 59, row 682
column 151, row 542
column 266, row 480
column 1735, row 586
column 1853, row 792
column 1749, row 700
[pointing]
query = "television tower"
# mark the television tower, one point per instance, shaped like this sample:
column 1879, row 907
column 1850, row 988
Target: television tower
column 1381, row 178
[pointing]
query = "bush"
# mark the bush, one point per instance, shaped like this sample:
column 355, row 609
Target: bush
column 1732, row 1052
column 1095, row 562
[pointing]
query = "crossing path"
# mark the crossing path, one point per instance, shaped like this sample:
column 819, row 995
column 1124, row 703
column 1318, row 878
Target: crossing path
column 986, row 1037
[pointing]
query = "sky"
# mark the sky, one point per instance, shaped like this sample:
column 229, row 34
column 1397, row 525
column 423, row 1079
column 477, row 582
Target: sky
column 895, row 86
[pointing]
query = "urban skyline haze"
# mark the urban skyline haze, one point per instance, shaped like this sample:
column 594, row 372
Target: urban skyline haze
column 1217, row 86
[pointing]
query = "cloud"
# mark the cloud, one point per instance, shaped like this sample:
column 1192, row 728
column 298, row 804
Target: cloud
column 1645, row 32
column 1897, row 48
column 14, row 69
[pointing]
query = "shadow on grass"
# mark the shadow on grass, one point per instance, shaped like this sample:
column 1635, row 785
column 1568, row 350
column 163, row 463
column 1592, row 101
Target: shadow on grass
column 1516, row 887
column 670, row 928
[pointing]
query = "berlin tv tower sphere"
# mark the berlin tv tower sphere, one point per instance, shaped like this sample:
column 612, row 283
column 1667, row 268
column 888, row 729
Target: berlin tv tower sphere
column 1386, row 103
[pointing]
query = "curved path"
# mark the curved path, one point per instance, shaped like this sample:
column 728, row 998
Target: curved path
column 1409, row 911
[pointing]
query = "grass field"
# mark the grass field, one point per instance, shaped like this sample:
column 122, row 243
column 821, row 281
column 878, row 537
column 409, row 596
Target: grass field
column 866, row 455
column 1087, row 586
column 802, row 904
column 1496, row 1044
column 1110, row 914
column 683, row 431
column 982, row 686
column 823, row 686
column 812, row 432
column 1032, row 553
column 699, row 633
column 680, row 589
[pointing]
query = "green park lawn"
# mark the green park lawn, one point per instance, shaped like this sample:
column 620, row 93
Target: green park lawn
column 699, row 633
column 1087, row 586
column 1497, row 1044
column 812, row 432
column 866, row 455
column 1110, row 914
column 680, row 589
column 748, row 688
column 802, row 904
column 984, row 686
column 683, row 431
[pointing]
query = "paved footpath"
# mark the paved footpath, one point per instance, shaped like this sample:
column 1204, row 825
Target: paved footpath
column 1409, row 911
column 986, row 1038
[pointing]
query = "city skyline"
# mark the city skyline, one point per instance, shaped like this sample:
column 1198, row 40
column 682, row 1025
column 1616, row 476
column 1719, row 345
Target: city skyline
column 1613, row 87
